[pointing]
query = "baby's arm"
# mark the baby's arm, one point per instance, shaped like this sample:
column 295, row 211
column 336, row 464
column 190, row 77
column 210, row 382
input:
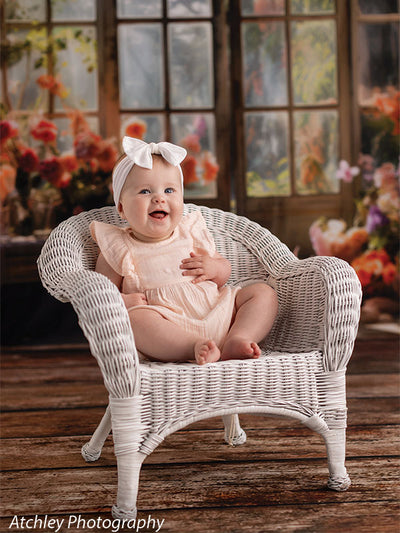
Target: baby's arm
column 205, row 267
column 130, row 300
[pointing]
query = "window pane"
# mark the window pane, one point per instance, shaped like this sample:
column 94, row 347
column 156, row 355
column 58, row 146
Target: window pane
column 316, row 148
column 194, row 8
column 79, row 10
column 313, row 51
column 23, row 71
column 264, row 60
column 139, row 8
column 383, row 6
column 25, row 11
column 312, row 7
column 267, row 154
column 265, row 7
column 141, row 66
column 378, row 60
column 77, row 67
column 149, row 128
column 196, row 132
column 191, row 65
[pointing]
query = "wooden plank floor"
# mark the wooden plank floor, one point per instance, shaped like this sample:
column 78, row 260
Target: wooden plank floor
column 53, row 399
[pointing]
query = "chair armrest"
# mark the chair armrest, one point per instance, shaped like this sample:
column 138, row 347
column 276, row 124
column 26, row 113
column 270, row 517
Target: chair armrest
column 319, row 300
column 105, row 322
column 65, row 272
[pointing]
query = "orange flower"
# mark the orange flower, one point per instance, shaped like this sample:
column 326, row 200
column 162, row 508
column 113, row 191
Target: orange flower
column 69, row 162
column 136, row 129
column 380, row 255
column 7, row 180
column 45, row 131
column 45, row 81
column 389, row 274
column 191, row 143
column 390, row 106
column 189, row 170
column 210, row 168
column 358, row 237
column 52, row 84
column 78, row 122
column 107, row 156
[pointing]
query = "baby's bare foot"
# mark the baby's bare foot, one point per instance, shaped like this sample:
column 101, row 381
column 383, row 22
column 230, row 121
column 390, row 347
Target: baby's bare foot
column 206, row 351
column 240, row 348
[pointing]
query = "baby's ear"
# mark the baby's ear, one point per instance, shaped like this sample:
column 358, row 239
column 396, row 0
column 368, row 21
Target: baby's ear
column 121, row 211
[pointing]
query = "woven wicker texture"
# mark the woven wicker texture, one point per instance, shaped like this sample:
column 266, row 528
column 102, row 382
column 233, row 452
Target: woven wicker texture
column 301, row 372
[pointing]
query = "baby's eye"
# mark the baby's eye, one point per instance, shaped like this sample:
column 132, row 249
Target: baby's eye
column 169, row 190
column 145, row 191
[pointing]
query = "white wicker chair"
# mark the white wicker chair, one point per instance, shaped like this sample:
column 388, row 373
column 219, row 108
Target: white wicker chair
column 301, row 373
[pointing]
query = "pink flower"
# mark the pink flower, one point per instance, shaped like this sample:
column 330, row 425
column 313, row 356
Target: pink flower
column 345, row 172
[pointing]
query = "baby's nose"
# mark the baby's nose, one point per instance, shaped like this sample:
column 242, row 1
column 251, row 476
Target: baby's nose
column 158, row 197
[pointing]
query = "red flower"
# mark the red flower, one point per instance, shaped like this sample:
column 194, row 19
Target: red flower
column 107, row 156
column 136, row 129
column 189, row 170
column 51, row 170
column 8, row 129
column 87, row 145
column 389, row 274
column 45, row 131
column 28, row 160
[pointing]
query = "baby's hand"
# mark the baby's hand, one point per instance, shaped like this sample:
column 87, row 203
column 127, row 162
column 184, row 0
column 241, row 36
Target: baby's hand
column 204, row 267
column 134, row 298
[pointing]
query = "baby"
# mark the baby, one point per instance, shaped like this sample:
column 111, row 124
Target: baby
column 171, row 277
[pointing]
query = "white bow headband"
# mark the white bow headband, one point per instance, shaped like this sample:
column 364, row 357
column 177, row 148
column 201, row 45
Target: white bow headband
column 140, row 153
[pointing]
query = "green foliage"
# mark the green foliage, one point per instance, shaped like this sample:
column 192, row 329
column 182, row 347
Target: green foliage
column 258, row 186
column 314, row 61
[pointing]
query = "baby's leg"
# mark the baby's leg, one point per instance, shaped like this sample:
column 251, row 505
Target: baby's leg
column 257, row 307
column 162, row 340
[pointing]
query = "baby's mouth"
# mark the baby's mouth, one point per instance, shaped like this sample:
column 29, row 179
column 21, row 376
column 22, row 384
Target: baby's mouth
column 159, row 214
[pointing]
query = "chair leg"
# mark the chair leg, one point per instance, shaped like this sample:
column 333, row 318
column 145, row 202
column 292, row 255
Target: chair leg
column 234, row 434
column 91, row 451
column 335, row 440
column 129, row 466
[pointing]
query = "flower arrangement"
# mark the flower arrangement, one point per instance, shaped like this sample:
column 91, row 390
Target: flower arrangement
column 41, row 186
column 371, row 244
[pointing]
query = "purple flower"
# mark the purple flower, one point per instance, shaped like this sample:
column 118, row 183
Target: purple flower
column 375, row 219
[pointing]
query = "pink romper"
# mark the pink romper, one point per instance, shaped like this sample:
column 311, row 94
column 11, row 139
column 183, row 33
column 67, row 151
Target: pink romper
column 153, row 269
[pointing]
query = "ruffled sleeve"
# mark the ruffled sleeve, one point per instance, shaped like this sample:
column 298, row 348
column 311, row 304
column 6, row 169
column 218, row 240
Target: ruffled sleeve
column 112, row 243
column 201, row 235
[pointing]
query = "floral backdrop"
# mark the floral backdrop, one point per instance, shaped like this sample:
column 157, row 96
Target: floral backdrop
column 40, row 186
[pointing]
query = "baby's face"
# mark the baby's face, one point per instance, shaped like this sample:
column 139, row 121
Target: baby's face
column 152, row 201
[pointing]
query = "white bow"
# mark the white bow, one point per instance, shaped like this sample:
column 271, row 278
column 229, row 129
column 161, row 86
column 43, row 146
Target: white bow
column 139, row 152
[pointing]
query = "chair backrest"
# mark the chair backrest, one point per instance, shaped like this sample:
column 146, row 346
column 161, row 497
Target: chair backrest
column 71, row 247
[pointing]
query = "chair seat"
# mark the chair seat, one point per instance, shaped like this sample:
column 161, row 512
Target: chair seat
column 177, row 394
